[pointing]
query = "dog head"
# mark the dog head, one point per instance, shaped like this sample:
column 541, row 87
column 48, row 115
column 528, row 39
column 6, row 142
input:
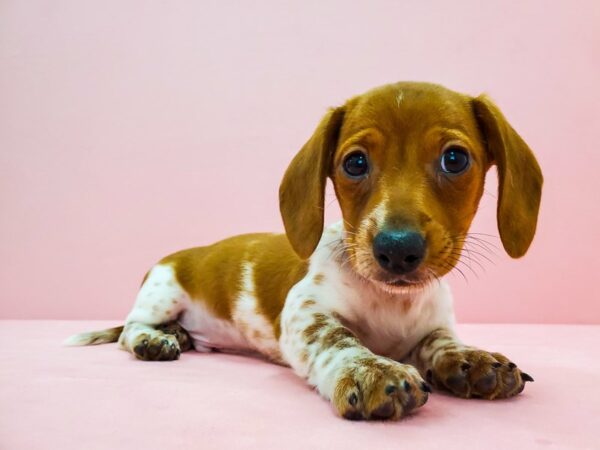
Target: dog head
column 408, row 164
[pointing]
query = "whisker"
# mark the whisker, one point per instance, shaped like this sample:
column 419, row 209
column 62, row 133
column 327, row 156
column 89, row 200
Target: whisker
column 482, row 256
column 478, row 245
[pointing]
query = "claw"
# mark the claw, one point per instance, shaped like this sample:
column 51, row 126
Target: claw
column 526, row 377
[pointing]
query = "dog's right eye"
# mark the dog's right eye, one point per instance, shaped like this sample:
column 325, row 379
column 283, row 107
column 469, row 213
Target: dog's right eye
column 356, row 164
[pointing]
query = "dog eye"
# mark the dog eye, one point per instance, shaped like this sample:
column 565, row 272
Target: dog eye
column 454, row 160
column 356, row 165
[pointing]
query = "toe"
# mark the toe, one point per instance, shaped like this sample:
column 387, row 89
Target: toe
column 486, row 385
column 384, row 411
column 458, row 384
column 140, row 351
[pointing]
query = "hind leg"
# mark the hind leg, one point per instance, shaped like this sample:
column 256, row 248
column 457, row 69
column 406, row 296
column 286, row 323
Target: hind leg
column 150, row 332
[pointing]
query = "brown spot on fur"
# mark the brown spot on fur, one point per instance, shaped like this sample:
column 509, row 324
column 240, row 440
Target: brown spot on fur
column 434, row 336
column 311, row 332
column 354, row 327
column 318, row 278
column 448, row 347
column 257, row 334
column 336, row 335
column 372, row 363
column 340, row 345
column 304, row 356
column 308, row 303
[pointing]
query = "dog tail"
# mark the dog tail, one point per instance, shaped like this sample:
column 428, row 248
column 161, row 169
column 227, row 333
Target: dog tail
column 95, row 337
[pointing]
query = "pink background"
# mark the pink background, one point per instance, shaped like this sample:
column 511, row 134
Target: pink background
column 129, row 130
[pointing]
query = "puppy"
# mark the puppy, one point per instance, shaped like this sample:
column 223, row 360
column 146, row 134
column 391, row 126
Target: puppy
column 359, row 309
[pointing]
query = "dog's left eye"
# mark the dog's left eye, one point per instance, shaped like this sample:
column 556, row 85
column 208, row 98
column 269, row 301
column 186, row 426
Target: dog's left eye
column 454, row 160
column 356, row 165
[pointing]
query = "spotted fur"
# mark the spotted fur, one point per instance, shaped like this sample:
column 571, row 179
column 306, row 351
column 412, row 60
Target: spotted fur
column 466, row 371
column 315, row 300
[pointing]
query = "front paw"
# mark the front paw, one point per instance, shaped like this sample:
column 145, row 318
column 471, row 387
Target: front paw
column 379, row 389
column 476, row 373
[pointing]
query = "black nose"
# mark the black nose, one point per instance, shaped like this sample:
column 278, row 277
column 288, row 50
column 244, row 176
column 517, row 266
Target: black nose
column 399, row 251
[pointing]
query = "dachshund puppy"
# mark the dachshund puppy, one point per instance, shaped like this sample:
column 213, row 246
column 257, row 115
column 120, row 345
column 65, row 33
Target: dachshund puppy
column 359, row 309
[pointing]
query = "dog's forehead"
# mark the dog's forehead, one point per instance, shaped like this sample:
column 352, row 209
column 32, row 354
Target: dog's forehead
column 401, row 105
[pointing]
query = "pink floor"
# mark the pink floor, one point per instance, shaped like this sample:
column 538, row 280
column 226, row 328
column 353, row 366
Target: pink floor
column 54, row 397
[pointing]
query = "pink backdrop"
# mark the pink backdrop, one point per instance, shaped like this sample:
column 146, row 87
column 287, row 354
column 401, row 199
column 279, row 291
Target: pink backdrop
column 132, row 129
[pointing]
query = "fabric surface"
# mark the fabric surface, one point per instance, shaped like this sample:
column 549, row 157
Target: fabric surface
column 56, row 397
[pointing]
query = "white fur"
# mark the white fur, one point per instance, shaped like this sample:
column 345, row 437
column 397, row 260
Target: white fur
column 399, row 98
column 160, row 299
column 255, row 327
column 386, row 324
column 209, row 332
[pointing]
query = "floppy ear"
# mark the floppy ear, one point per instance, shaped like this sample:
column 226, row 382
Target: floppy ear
column 302, row 191
column 519, row 178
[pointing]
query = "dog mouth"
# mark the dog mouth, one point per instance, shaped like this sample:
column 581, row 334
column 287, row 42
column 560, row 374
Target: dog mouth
column 402, row 282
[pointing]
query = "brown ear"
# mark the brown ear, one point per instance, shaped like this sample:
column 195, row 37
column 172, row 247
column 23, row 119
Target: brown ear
column 519, row 178
column 302, row 191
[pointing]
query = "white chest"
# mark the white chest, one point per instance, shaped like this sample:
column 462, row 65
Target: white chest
column 389, row 325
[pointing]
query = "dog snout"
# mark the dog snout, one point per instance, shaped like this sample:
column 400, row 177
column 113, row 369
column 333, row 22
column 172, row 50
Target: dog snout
column 399, row 251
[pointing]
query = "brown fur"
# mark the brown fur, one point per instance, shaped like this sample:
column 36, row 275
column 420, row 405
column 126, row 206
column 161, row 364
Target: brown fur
column 318, row 279
column 362, row 393
column 311, row 333
column 465, row 371
column 403, row 129
column 214, row 273
column 404, row 141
